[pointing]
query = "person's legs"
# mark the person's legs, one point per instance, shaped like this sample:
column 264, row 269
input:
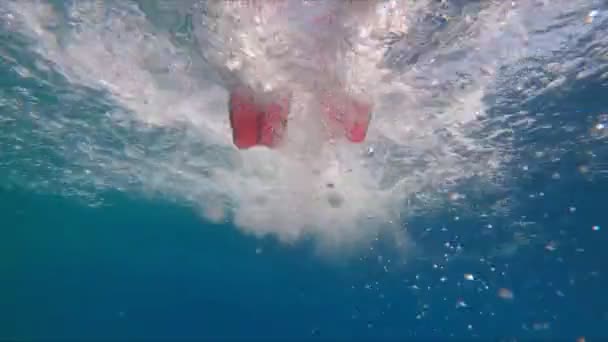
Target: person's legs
column 261, row 118
column 244, row 118
column 274, row 121
column 346, row 115
column 257, row 119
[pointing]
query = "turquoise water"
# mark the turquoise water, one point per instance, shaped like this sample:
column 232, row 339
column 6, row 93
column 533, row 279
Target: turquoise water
column 103, row 237
column 143, row 269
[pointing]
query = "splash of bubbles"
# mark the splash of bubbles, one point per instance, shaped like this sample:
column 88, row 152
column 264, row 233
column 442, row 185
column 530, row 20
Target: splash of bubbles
column 144, row 104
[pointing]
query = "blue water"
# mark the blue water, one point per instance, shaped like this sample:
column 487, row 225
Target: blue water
column 152, row 269
column 142, row 269
column 147, row 267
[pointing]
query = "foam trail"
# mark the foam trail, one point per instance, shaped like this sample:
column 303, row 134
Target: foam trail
column 427, row 78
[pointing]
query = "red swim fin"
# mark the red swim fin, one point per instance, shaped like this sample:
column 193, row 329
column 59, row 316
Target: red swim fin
column 256, row 118
column 273, row 126
column 244, row 117
column 347, row 116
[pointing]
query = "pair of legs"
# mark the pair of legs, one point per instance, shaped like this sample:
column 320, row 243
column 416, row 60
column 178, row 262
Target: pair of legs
column 261, row 118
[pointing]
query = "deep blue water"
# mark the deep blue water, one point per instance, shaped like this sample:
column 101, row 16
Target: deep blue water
column 141, row 268
column 149, row 268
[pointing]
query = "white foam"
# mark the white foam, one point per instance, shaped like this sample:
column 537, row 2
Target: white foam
column 420, row 133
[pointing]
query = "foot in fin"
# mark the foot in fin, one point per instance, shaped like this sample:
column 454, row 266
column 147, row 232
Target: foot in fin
column 257, row 118
column 347, row 116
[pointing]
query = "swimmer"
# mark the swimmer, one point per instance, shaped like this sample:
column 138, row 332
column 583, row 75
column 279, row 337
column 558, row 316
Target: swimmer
column 261, row 118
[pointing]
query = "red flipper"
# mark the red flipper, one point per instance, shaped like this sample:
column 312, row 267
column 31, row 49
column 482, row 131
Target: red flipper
column 274, row 121
column 244, row 116
column 257, row 119
column 347, row 116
